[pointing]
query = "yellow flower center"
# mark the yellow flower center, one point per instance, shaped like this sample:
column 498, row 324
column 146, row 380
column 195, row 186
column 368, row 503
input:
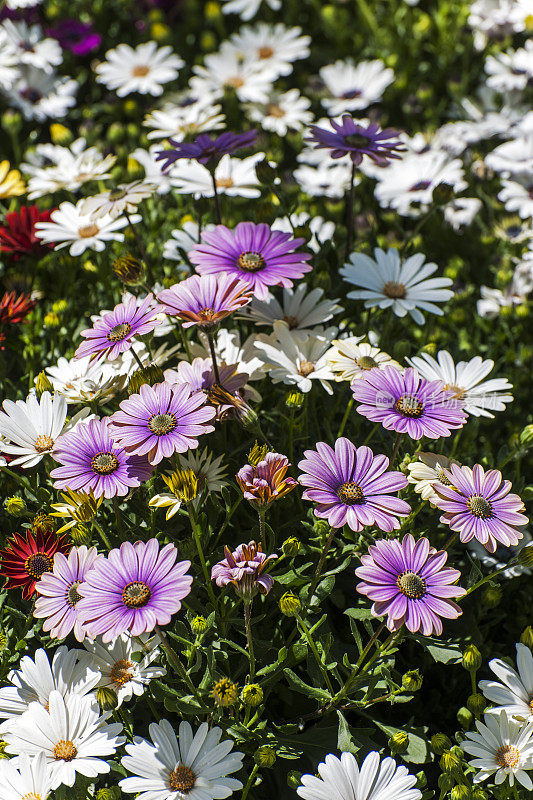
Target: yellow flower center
column 507, row 756
column 251, row 262
column 224, row 183
column 236, row 82
column 411, row 585
column 458, row 391
column 182, row 779
column 275, row 111
column 136, row 594
column 305, row 368
column 65, row 750
column 43, row 443
column 351, row 494
column 265, row 52
column 121, row 672
column 396, row 291
column 140, row 71
column 479, row 507
column 87, row 231
column 37, row 564
column 409, row 406
column 104, row 463
column 72, row 594
column 119, row 332
column 161, row 424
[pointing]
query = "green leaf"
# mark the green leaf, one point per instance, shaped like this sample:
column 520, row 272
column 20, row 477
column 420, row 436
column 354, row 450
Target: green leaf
column 449, row 653
column 418, row 748
column 345, row 742
column 298, row 685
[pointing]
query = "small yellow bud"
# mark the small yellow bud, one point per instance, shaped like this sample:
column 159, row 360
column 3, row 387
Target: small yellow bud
column 80, row 534
column 15, row 506
column 225, row 693
column 44, row 523
column 60, row 134
column 290, row 605
column 265, row 756
column 128, row 269
column 43, row 384
column 295, row 400
column 60, row 306
column 526, row 637
column 439, row 743
column 398, row 743
column 252, row 695
column 291, row 547
column 449, row 761
column 149, row 375
column 199, row 625
column 476, row 703
column 106, row 698
column 460, row 792
column 412, row 680
column 51, row 320
column 257, row 454
column 472, row 659
column 183, row 483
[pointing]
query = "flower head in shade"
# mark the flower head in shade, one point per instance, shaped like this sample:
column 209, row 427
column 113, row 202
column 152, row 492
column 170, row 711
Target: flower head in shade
column 349, row 138
column 350, row 485
column 409, row 583
column 479, row 505
column 427, row 470
column 137, row 587
column 91, row 460
column 407, row 403
column 161, row 420
column 343, row 779
column 351, row 358
column 200, row 471
column 27, row 557
column 124, row 199
column 72, row 734
column 503, row 746
column 114, row 333
column 514, row 694
column 266, row 481
column 15, row 308
column 17, row 235
column 254, row 253
column 58, row 592
column 27, row 778
column 78, row 37
column 245, row 569
column 206, row 149
column 190, row 764
column 205, row 300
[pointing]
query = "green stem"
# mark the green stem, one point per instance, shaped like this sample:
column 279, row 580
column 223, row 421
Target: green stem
column 248, row 626
column 197, row 539
column 213, row 356
column 485, row 580
column 320, row 564
column 102, row 535
column 368, row 16
column 346, row 688
column 395, row 448
column 249, row 782
column 118, row 517
column 322, row 667
column 176, row 663
column 137, row 359
column 345, row 417
column 216, row 198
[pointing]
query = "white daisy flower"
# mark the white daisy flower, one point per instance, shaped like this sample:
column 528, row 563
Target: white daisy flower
column 325, row 179
column 514, row 694
column 25, row 778
column 72, row 225
column 22, row 3
column 462, row 211
column 30, row 427
column 52, row 167
column 518, row 195
column 283, row 112
column 84, row 380
column 192, row 765
column 33, row 50
column 188, row 115
column 502, row 746
column 41, row 95
column 321, row 229
column 293, row 357
column 125, row 198
column 153, row 169
column 142, row 69
column 496, row 19
column 389, row 282
column 235, row 177
column 246, row 9
column 35, row 680
column 9, row 62
column 226, row 69
column 510, row 71
column 512, row 158
column 426, row 471
column 352, row 87
column 351, row 358
column 407, row 185
column 466, row 379
column 184, row 240
column 302, row 309
column 493, row 300
column 73, row 736
column 343, row 779
column 502, row 556
column 272, row 47
column 125, row 675
column 229, row 350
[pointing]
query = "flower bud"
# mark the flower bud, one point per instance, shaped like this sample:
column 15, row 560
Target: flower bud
column 412, row 680
column 290, row 605
column 398, row 743
column 51, row 320
column 225, row 693
column 295, row 400
column 80, row 534
column 12, row 122
column 479, row 794
column 265, row 172
column 107, row 698
column 476, row 703
column 445, row 782
column 60, row 134
column 460, row 792
column 199, row 625
column 15, row 506
column 3, row 640
column 257, row 454
column 450, row 761
column 160, row 32
column 525, row 556
column 150, row 375
column 109, row 793
column 44, row 523
column 43, row 384
column 526, row 436
column 421, row 780
column 439, row 743
column 472, row 659
column 252, row 695
column 265, row 756
column 128, row 269
column 291, row 547
column 492, row 596
column 526, row 637
column 60, row 306
column 464, row 717
column 442, row 194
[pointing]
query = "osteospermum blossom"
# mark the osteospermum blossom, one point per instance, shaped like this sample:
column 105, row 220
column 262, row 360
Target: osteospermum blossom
column 503, row 746
column 17, row 235
column 245, row 569
column 350, row 485
column 254, row 253
column 11, row 183
column 205, row 149
column 161, row 420
column 407, row 403
column 137, row 587
column 479, row 505
column 349, row 138
column 409, row 583
column 427, row 470
column 514, row 694
column 25, row 778
column 142, row 69
column 352, row 358
column 205, row 300
column 27, row 557
column 266, row 481
column 114, row 333
column 91, row 460
column 58, row 592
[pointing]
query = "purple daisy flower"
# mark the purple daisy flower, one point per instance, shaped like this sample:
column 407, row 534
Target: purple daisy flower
column 409, row 583
column 205, row 300
column 205, row 149
column 350, row 138
column 78, row 37
column 58, row 596
column 254, row 253
column 161, row 420
column 266, row 481
column 91, row 459
column 245, row 569
column 479, row 505
column 351, row 485
column 113, row 333
column 407, row 403
column 134, row 589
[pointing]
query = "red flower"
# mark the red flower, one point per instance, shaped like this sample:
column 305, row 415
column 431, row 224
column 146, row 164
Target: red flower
column 15, row 309
column 28, row 556
column 17, row 236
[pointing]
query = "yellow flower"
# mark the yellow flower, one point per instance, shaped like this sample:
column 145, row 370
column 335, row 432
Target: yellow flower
column 76, row 507
column 11, row 183
column 225, row 693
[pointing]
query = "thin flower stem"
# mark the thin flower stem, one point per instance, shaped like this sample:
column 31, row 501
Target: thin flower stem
column 137, row 359
column 349, row 215
column 322, row 667
column 357, row 668
column 451, row 540
column 345, row 417
column 19, row 479
column 213, row 356
column 118, row 517
column 176, row 663
column 484, row 580
column 368, row 16
column 320, row 564
column 395, row 448
column 248, row 626
column 249, row 782
column 197, row 539
column 216, row 198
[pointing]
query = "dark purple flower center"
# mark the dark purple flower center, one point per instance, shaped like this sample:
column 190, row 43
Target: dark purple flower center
column 37, row 564
column 351, row 494
column 72, row 594
column 479, row 506
column 411, row 585
column 366, row 362
column 182, row 779
column 251, row 262
column 119, row 332
column 420, row 186
column 136, row 594
column 356, row 140
column 161, row 424
column 104, row 463
column 33, row 95
column 351, row 95
column 409, row 405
